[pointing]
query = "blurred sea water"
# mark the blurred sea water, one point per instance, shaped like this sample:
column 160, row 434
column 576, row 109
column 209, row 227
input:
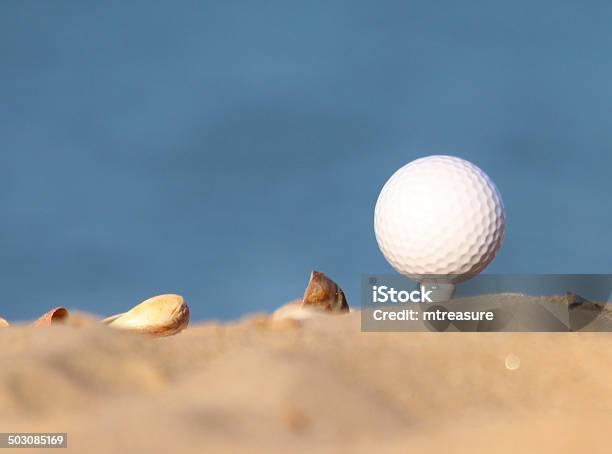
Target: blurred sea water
column 223, row 150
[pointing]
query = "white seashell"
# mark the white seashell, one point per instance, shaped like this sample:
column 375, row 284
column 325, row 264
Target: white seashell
column 295, row 311
column 3, row 323
column 53, row 317
column 162, row 315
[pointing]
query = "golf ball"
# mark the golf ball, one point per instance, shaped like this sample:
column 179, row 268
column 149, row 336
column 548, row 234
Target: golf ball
column 439, row 215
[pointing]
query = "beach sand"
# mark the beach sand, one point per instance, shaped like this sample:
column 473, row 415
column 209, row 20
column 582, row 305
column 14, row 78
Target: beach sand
column 260, row 385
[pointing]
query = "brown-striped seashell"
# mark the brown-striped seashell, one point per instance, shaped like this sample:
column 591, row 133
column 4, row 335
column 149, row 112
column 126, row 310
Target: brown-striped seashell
column 323, row 293
column 3, row 323
column 53, row 317
column 322, row 296
column 162, row 315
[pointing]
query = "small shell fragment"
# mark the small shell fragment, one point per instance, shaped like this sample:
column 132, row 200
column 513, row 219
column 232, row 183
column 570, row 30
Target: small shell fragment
column 325, row 294
column 3, row 323
column 162, row 315
column 322, row 296
column 53, row 317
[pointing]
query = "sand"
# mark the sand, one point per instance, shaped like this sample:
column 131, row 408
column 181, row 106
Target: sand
column 260, row 385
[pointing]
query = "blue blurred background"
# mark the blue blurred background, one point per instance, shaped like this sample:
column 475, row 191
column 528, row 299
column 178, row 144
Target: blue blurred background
column 224, row 149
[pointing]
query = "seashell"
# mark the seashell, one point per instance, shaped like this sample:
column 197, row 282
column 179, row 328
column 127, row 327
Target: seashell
column 322, row 296
column 162, row 315
column 295, row 311
column 3, row 323
column 53, row 317
column 323, row 293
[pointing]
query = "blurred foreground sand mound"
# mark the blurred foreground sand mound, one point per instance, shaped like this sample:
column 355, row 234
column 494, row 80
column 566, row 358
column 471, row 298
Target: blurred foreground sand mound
column 263, row 385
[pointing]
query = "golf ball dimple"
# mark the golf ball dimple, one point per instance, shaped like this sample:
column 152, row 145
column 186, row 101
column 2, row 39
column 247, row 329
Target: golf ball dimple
column 439, row 215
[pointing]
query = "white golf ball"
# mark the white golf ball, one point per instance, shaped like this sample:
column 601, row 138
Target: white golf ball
column 439, row 215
